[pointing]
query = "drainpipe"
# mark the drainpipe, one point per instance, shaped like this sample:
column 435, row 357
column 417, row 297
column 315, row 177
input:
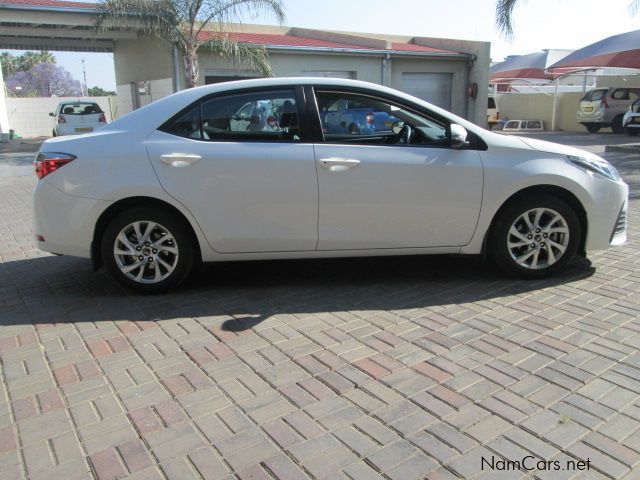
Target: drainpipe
column 175, row 56
column 386, row 70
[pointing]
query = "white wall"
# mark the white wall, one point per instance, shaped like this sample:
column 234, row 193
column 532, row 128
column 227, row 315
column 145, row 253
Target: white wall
column 29, row 117
column 4, row 121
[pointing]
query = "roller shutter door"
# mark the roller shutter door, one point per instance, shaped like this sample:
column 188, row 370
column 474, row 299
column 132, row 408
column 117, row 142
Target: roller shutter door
column 432, row 87
column 330, row 74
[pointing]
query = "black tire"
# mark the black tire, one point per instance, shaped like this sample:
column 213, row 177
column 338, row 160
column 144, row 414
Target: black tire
column 592, row 128
column 187, row 257
column 616, row 125
column 632, row 132
column 508, row 215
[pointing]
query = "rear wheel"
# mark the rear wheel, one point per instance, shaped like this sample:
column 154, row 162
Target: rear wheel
column 148, row 250
column 616, row 125
column 592, row 128
column 535, row 237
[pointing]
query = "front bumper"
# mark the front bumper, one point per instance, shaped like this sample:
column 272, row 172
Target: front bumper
column 610, row 203
column 65, row 222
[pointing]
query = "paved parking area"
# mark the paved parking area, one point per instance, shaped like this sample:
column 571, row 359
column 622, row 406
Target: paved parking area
column 404, row 368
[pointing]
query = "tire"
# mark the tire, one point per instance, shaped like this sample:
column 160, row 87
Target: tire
column 616, row 125
column 592, row 128
column 170, row 264
column 632, row 132
column 505, row 247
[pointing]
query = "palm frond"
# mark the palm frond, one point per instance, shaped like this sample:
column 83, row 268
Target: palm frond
column 504, row 16
column 150, row 17
column 253, row 56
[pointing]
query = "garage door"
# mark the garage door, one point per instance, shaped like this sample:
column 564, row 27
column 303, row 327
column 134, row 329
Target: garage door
column 329, row 74
column 433, row 87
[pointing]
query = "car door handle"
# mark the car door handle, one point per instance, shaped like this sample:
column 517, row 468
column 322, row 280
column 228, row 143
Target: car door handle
column 179, row 159
column 338, row 164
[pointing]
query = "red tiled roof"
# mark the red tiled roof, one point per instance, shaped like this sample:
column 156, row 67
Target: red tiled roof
column 49, row 3
column 279, row 39
column 412, row 47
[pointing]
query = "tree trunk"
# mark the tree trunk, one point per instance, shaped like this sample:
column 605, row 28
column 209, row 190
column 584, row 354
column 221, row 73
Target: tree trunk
column 191, row 68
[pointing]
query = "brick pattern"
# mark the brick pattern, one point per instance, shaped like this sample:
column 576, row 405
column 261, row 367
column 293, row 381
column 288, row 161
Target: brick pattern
column 358, row 369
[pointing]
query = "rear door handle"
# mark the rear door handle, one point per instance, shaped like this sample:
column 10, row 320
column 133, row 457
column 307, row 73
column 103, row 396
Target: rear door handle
column 179, row 159
column 338, row 164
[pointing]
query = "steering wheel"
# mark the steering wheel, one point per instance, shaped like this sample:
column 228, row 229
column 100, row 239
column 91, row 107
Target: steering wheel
column 405, row 135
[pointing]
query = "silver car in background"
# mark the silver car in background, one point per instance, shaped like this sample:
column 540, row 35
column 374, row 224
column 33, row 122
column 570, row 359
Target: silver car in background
column 605, row 107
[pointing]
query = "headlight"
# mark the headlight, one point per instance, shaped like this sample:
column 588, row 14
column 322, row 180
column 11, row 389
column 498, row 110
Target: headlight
column 596, row 165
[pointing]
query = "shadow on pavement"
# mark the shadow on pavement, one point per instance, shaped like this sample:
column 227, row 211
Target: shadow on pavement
column 64, row 289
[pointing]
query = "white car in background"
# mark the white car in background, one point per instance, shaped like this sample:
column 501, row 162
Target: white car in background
column 631, row 119
column 186, row 179
column 75, row 118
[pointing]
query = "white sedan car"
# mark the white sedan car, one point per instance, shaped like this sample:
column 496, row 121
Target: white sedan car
column 187, row 179
column 77, row 117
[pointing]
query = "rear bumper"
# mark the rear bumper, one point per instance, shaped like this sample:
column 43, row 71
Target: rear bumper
column 77, row 129
column 66, row 223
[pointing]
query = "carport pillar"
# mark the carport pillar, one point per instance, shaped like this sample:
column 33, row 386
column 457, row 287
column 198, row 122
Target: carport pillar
column 386, row 70
column 554, row 110
column 4, row 118
column 175, row 54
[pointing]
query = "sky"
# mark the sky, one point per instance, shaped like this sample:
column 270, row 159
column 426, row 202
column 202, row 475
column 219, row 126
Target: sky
column 538, row 25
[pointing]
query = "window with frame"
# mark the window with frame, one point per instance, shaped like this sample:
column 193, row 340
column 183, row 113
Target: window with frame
column 259, row 116
column 365, row 120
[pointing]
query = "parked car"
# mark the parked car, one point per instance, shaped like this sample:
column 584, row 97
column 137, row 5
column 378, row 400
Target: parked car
column 341, row 115
column 493, row 113
column 605, row 107
column 157, row 191
column 631, row 119
column 73, row 118
column 523, row 126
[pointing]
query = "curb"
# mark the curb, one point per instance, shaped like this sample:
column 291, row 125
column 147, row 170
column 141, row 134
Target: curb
column 628, row 148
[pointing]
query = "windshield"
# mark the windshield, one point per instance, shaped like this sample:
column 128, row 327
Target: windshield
column 80, row 108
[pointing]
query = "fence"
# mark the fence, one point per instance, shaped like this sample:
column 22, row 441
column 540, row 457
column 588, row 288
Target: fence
column 29, row 117
column 539, row 106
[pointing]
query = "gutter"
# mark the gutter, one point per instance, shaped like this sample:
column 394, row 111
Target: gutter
column 45, row 8
column 368, row 51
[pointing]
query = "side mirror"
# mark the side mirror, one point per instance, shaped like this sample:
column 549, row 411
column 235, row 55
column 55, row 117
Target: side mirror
column 458, row 136
column 397, row 127
column 51, row 114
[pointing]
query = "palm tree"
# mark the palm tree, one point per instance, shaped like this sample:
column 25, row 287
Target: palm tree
column 192, row 25
column 504, row 14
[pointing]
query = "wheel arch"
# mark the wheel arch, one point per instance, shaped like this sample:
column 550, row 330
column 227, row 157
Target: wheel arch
column 130, row 202
column 554, row 190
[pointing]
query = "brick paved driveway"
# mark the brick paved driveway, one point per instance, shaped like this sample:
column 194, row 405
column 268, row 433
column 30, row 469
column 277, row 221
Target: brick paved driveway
column 382, row 368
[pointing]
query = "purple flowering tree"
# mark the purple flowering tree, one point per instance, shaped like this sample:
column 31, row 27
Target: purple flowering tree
column 44, row 80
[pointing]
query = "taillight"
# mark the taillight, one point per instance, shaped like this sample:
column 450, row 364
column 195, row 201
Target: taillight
column 48, row 162
column 61, row 119
column 603, row 103
column 102, row 118
column 369, row 118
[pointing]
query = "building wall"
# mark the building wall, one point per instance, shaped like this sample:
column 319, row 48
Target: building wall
column 29, row 117
column 538, row 106
column 4, row 120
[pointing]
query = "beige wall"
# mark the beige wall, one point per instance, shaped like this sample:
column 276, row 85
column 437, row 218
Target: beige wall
column 29, row 117
column 538, row 106
column 141, row 59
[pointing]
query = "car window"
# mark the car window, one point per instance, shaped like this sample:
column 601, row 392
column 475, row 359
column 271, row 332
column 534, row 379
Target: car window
column 594, row 95
column 534, row 124
column 620, row 94
column 187, row 124
column 260, row 116
column 366, row 120
column 512, row 125
column 80, row 108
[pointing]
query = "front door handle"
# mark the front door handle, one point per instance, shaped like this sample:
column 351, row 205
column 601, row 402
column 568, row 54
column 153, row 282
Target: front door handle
column 179, row 159
column 338, row 164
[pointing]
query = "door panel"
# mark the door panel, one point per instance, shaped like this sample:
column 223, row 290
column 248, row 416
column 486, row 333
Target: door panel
column 397, row 196
column 246, row 196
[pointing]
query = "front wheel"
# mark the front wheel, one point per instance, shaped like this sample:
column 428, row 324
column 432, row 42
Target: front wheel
column 148, row 250
column 535, row 237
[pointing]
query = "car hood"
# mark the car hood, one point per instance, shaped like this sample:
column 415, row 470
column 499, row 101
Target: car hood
column 515, row 141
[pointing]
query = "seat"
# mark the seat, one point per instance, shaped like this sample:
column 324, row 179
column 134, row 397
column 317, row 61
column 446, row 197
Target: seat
column 68, row 110
column 289, row 119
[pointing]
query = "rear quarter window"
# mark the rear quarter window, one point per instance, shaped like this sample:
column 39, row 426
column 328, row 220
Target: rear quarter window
column 593, row 96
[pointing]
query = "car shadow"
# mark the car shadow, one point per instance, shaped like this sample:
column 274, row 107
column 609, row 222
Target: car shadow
column 244, row 294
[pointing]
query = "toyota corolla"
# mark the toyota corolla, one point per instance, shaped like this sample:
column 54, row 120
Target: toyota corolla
column 199, row 176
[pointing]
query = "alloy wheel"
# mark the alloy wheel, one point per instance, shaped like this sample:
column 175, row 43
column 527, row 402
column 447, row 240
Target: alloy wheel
column 146, row 252
column 538, row 238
